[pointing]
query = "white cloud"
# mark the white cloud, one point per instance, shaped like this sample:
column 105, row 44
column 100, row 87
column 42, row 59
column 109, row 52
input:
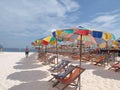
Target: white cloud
column 34, row 18
column 20, row 15
column 105, row 19
column 70, row 5
column 37, row 18
column 105, row 22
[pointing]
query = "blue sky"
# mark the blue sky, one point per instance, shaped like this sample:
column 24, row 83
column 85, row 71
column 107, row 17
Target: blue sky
column 24, row 21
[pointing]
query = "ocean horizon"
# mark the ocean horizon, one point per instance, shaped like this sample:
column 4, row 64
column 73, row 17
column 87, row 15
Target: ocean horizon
column 16, row 50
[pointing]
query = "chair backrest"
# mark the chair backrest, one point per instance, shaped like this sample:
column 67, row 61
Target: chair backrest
column 59, row 65
column 66, row 72
column 100, row 58
column 74, row 75
column 52, row 58
column 62, row 64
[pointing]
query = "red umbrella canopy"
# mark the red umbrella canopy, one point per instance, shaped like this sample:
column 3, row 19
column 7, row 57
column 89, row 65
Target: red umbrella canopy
column 82, row 32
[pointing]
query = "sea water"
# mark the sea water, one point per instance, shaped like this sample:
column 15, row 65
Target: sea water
column 16, row 50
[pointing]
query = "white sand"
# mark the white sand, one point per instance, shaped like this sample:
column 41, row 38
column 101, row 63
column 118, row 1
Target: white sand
column 19, row 73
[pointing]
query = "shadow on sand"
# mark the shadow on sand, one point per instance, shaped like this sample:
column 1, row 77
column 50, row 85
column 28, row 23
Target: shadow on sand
column 28, row 63
column 107, row 74
column 100, row 70
column 28, row 76
column 37, row 85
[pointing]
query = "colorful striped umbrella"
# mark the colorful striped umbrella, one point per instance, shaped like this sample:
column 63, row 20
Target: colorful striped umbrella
column 81, row 33
column 102, row 38
column 58, row 35
column 49, row 40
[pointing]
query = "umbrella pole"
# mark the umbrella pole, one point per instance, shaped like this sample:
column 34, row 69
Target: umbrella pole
column 57, row 51
column 108, row 52
column 39, row 53
column 80, row 50
column 45, row 49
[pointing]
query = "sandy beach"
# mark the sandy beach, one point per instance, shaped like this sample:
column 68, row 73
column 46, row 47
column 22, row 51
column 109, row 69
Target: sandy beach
column 20, row 73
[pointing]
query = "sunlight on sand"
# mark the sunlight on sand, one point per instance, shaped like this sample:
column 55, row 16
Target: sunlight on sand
column 20, row 73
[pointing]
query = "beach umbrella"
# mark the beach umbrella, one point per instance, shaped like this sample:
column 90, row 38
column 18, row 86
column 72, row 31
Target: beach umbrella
column 59, row 36
column 68, row 34
column 36, row 45
column 98, row 37
column 81, row 33
column 67, row 45
column 103, row 37
column 97, row 34
column 113, row 37
column 115, row 43
column 73, row 34
column 49, row 40
column 88, row 40
column 107, row 36
column 65, row 33
column 55, row 34
column 107, row 39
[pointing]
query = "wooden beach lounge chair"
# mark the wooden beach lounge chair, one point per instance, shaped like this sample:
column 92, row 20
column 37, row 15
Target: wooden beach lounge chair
column 50, row 60
column 88, row 57
column 44, row 57
column 116, row 67
column 76, row 57
column 70, row 80
column 60, row 66
column 99, row 59
column 63, row 73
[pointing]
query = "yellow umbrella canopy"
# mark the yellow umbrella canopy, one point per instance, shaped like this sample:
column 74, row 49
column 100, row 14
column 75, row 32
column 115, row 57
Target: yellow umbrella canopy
column 38, row 41
column 115, row 44
column 49, row 40
column 103, row 45
column 107, row 36
column 63, row 32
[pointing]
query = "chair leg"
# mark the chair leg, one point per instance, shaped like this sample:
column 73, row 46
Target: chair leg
column 64, row 87
column 56, row 83
column 50, row 79
column 110, row 68
column 117, row 69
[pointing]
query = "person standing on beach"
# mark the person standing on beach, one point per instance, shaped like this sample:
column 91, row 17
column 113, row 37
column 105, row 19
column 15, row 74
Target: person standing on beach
column 0, row 49
column 27, row 51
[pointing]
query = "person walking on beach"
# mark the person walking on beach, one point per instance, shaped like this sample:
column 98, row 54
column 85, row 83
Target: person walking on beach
column 27, row 51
